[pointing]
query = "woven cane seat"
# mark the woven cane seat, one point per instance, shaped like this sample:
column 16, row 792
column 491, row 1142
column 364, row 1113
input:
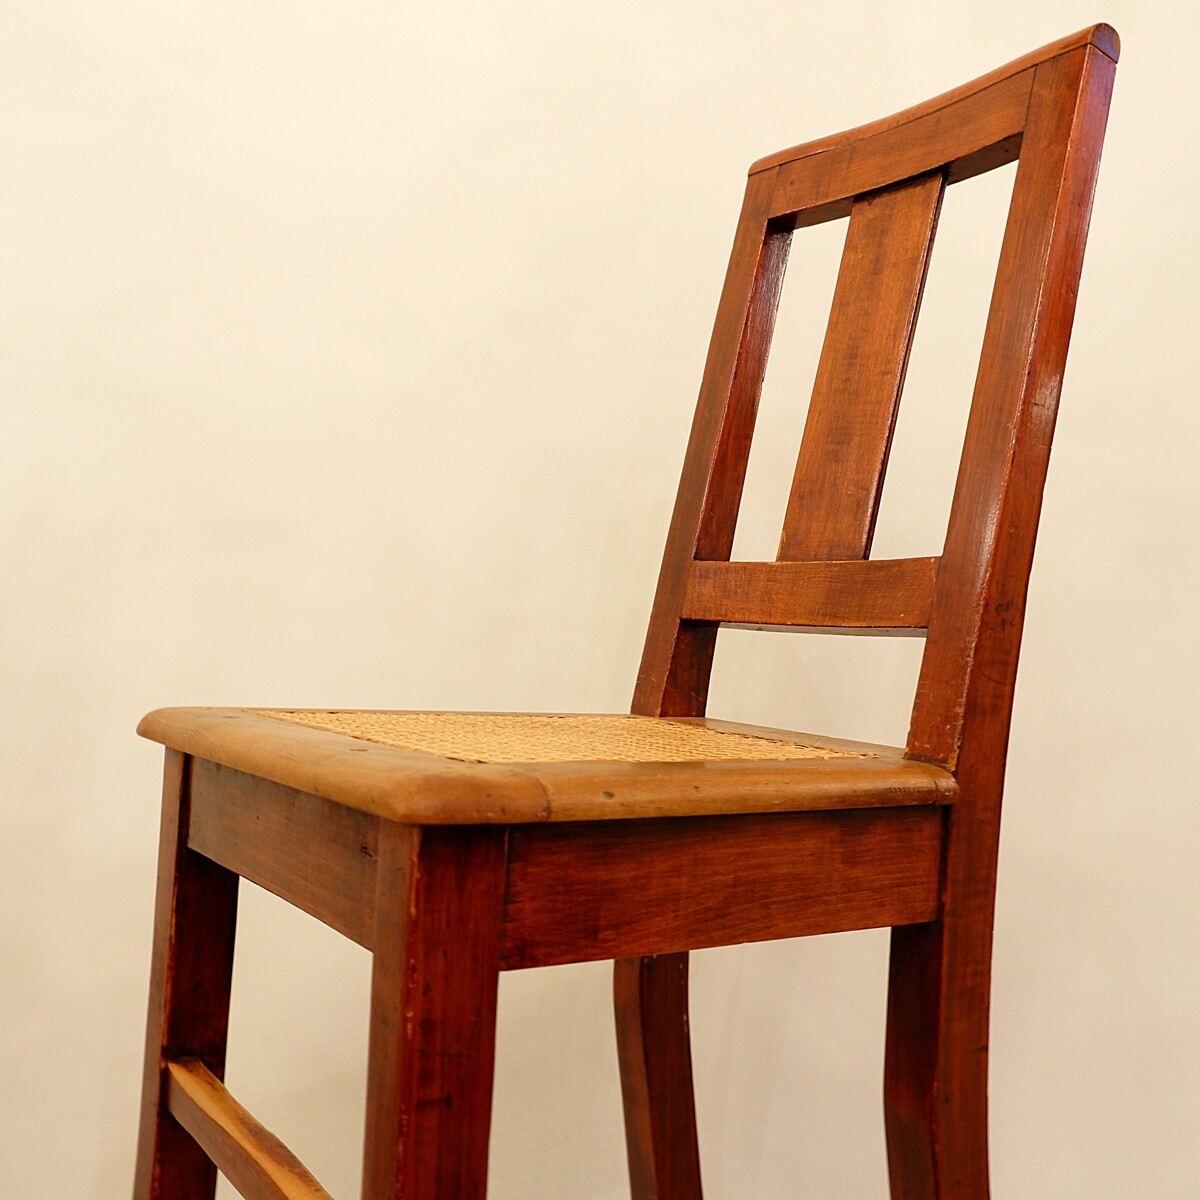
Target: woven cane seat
column 555, row 737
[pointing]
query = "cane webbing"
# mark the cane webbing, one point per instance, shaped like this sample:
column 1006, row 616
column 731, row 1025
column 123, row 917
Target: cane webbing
column 526, row 738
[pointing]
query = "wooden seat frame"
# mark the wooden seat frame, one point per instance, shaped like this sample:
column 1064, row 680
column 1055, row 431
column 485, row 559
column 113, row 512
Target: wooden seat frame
column 450, row 872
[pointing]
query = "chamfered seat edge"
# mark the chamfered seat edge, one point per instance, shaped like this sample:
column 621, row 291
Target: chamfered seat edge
column 419, row 788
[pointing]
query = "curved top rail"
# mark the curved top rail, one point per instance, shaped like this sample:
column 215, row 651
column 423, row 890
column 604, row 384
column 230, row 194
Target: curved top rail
column 1103, row 37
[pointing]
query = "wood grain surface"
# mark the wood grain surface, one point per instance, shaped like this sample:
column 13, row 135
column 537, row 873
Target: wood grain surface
column 433, row 1012
column 889, row 596
column 663, row 886
column 190, row 976
column 834, row 498
column 252, row 1158
column 1103, row 37
column 315, row 854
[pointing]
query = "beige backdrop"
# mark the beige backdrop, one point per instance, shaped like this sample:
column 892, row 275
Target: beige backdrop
column 349, row 354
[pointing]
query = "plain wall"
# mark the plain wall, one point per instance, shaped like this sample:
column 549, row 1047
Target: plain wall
column 349, row 353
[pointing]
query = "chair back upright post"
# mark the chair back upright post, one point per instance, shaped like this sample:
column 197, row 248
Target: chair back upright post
column 1048, row 110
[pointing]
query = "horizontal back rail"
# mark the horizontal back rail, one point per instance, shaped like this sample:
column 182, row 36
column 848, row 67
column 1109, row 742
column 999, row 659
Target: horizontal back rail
column 858, row 595
column 1103, row 37
column 974, row 135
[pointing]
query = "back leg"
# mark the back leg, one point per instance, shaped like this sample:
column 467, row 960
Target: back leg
column 935, row 1069
column 654, row 1051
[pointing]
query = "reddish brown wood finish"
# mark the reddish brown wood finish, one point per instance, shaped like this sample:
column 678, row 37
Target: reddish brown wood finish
column 654, row 1051
column 433, row 1012
column 974, row 134
column 891, row 595
column 673, row 679
column 835, row 492
column 1051, row 107
column 1103, row 37
column 657, row 887
column 936, row 1063
column 452, row 871
column 977, row 613
column 190, row 977
column 314, row 854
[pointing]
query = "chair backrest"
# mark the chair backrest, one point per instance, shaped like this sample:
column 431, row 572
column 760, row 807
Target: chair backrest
column 1047, row 109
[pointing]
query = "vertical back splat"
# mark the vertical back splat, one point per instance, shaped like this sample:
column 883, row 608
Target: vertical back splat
column 839, row 473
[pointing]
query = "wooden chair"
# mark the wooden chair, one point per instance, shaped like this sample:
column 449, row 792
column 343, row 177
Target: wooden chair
column 457, row 846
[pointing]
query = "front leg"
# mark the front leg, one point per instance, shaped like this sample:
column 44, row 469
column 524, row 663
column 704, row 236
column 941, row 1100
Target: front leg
column 439, row 906
column 190, row 976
